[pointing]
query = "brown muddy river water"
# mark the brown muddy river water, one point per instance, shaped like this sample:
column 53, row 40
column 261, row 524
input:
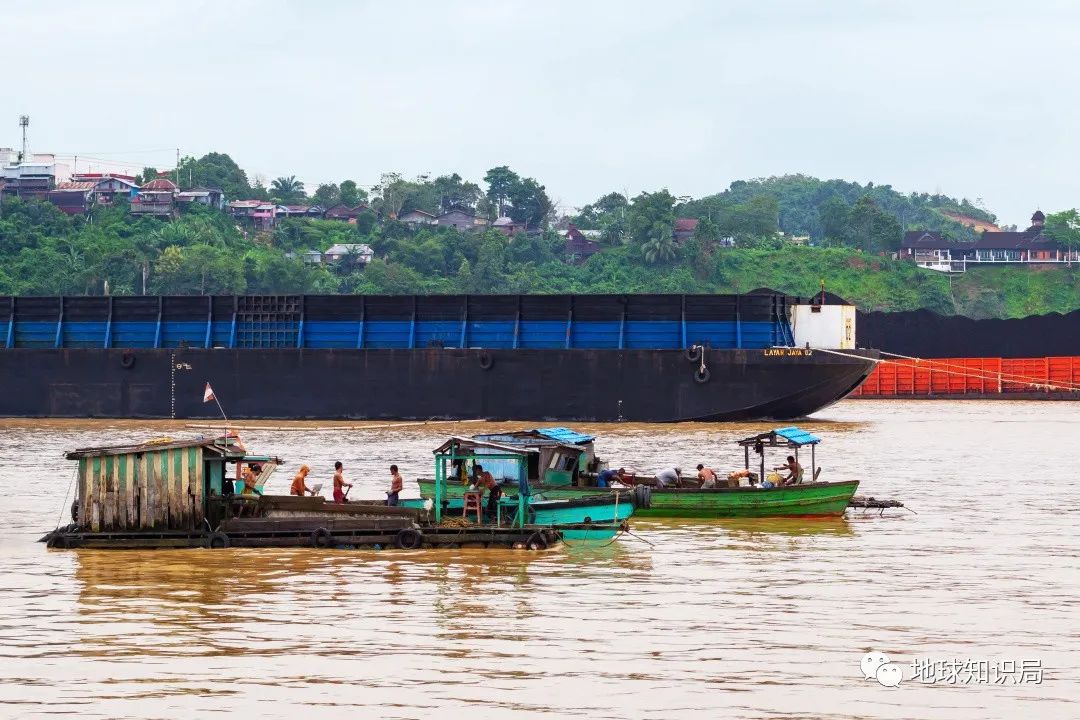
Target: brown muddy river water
column 761, row 619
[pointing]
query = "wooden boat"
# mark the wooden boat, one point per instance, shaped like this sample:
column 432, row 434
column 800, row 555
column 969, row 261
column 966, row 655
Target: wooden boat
column 811, row 498
column 602, row 514
column 170, row 493
column 605, row 508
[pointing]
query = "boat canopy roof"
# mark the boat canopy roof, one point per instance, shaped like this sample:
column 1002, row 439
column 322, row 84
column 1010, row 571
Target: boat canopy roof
column 791, row 437
column 540, row 437
column 565, row 435
column 217, row 446
column 481, row 446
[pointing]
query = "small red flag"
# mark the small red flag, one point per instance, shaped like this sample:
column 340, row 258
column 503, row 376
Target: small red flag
column 208, row 394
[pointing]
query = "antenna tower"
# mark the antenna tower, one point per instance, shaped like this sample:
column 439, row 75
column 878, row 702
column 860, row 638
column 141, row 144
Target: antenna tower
column 24, row 122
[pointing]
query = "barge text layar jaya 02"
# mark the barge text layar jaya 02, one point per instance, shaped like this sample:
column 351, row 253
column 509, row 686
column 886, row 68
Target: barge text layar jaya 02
column 649, row 358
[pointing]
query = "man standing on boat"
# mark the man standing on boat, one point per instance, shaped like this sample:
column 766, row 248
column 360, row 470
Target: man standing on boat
column 339, row 483
column 299, row 486
column 396, row 485
column 494, row 491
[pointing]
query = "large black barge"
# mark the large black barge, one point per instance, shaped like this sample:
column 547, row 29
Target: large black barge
column 648, row 358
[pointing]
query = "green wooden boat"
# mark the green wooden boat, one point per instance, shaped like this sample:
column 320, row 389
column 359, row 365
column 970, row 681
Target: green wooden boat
column 804, row 499
column 808, row 499
column 593, row 516
column 821, row 498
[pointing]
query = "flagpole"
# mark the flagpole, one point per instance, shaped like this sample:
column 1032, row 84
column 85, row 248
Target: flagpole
column 213, row 394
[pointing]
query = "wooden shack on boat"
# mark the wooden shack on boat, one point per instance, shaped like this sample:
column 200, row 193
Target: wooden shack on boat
column 557, row 454
column 156, row 485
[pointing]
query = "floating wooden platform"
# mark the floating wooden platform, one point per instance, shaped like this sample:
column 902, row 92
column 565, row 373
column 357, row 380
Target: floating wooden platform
column 314, row 532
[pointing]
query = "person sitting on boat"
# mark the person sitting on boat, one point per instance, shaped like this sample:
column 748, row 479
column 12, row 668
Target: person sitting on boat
column 795, row 471
column 605, row 478
column 668, row 476
column 299, row 486
column 250, row 477
column 494, row 491
column 707, row 476
column 396, row 485
column 339, row 483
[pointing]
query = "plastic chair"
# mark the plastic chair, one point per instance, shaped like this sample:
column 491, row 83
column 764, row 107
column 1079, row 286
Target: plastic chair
column 474, row 501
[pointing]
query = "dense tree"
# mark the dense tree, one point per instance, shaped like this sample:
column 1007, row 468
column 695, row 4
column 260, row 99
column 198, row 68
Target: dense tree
column 454, row 192
column 327, row 195
column 652, row 216
column 529, row 203
column 1064, row 227
column 214, row 170
column 350, row 194
column 500, row 180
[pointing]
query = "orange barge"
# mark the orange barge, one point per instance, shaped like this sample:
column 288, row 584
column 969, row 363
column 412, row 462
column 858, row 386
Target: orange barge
column 1045, row 378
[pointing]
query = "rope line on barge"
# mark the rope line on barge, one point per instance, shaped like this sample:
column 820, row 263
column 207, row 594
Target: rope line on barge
column 941, row 366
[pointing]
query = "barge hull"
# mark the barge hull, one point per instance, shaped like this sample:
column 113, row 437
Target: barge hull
column 602, row 385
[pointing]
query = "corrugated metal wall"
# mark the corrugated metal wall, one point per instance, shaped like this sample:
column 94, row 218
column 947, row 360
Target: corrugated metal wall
column 376, row 322
column 155, row 490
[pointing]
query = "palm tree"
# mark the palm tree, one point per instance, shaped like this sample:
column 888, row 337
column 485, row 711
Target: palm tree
column 287, row 189
column 660, row 247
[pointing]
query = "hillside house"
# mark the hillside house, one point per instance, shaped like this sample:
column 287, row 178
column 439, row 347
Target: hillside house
column 508, row 226
column 579, row 246
column 464, row 220
column 362, row 253
column 344, row 212
column 684, row 229
column 73, row 198
column 260, row 213
column 930, row 250
column 298, row 211
column 210, row 197
column 109, row 186
column 155, row 198
column 31, row 180
column 418, row 218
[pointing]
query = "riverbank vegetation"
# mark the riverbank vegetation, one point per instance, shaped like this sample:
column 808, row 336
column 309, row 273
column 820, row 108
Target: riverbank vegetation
column 791, row 233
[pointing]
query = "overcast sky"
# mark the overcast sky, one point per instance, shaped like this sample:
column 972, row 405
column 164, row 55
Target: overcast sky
column 974, row 99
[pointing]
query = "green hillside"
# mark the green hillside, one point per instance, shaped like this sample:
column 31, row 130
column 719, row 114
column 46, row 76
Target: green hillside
column 853, row 230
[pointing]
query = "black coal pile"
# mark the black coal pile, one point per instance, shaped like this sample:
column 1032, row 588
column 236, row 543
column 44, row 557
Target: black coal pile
column 921, row 333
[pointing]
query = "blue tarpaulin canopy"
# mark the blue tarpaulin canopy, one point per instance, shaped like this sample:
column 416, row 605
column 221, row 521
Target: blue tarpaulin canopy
column 790, row 436
column 797, row 436
column 565, row 435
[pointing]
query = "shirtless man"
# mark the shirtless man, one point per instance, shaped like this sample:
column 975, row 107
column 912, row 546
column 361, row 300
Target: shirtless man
column 795, row 471
column 299, row 486
column 339, row 483
column 707, row 476
column 494, row 491
column 396, row 485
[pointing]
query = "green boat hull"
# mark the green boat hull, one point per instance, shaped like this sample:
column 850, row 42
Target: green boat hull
column 808, row 499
